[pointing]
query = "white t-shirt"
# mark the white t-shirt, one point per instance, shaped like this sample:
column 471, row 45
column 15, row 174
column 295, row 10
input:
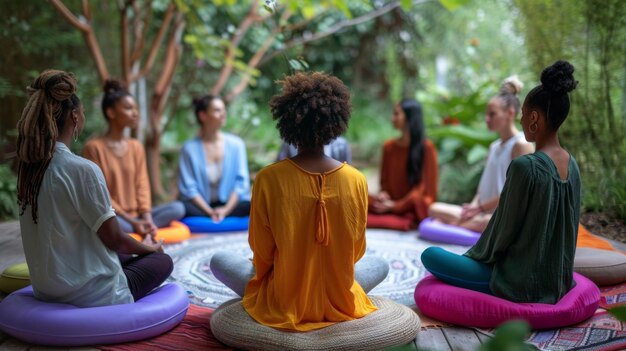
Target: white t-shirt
column 494, row 175
column 67, row 261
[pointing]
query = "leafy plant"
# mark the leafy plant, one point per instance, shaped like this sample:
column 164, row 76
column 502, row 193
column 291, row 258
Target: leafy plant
column 509, row 336
column 8, row 193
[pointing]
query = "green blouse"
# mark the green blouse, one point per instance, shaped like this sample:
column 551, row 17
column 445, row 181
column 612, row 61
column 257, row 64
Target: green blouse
column 531, row 238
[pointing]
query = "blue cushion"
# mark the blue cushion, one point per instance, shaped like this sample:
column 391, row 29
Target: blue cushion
column 206, row 224
column 46, row 323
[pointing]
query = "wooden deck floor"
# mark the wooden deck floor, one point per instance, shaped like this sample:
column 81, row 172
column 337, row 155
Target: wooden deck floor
column 434, row 339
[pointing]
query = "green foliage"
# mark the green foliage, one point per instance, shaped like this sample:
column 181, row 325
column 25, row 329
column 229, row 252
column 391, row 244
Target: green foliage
column 509, row 336
column 8, row 193
column 619, row 313
column 591, row 35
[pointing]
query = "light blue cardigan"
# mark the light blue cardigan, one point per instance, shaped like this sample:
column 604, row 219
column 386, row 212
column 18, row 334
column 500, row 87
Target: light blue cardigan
column 193, row 179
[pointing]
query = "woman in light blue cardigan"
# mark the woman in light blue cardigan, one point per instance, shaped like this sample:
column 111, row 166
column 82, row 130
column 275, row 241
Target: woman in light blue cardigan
column 214, row 179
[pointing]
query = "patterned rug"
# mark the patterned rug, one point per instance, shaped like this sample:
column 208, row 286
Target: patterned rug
column 601, row 332
column 613, row 296
column 193, row 333
column 402, row 250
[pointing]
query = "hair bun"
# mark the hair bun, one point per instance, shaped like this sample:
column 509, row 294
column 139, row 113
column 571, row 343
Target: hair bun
column 58, row 85
column 511, row 85
column 113, row 85
column 559, row 77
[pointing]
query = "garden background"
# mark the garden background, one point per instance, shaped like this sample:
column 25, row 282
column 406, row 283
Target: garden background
column 452, row 55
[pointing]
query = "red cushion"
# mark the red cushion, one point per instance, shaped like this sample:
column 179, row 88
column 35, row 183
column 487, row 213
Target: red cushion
column 389, row 221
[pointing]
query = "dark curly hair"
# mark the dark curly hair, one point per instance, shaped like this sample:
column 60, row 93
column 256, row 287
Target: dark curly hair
column 114, row 91
column 550, row 96
column 202, row 103
column 313, row 109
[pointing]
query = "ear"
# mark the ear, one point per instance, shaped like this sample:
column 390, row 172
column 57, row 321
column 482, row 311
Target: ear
column 108, row 114
column 75, row 116
column 534, row 116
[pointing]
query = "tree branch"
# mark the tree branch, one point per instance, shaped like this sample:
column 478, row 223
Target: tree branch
column 256, row 58
column 337, row 27
column 154, row 49
column 88, row 34
column 124, row 43
column 140, row 26
column 69, row 16
column 229, row 58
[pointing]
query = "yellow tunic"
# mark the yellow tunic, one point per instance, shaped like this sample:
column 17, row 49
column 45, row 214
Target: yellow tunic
column 307, row 230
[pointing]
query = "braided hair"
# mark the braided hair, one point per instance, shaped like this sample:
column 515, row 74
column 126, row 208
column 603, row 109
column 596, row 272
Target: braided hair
column 51, row 101
column 551, row 96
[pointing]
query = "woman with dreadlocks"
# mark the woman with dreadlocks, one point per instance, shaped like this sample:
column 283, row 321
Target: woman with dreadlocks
column 69, row 229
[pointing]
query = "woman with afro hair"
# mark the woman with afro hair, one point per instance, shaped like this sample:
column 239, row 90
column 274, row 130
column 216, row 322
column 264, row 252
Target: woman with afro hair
column 526, row 253
column 307, row 221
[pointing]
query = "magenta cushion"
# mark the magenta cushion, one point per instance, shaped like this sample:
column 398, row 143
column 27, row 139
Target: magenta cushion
column 452, row 304
column 446, row 233
column 389, row 221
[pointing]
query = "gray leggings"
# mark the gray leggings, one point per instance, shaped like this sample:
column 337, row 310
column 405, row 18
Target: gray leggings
column 161, row 216
column 235, row 271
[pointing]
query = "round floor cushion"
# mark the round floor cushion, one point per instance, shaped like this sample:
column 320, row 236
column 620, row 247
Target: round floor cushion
column 175, row 233
column 435, row 231
column 601, row 266
column 207, row 225
column 14, row 277
column 24, row 317
column 452, row 304
column 392, row 324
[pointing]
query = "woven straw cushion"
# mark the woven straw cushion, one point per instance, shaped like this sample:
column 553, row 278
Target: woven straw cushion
column 600, row 266
column 14, row 278
column 392, row 324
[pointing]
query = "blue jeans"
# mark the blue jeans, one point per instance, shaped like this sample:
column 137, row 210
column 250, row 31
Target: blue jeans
column 162, row 215
column 235, row 271
column 457, row 270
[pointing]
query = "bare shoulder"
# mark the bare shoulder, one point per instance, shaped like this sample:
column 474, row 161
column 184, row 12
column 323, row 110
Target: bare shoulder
column 522, row 147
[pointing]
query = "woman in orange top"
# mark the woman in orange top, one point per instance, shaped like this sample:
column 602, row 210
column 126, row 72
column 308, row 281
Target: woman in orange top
column 408, row 174
column 123, row 162
column 307, row 221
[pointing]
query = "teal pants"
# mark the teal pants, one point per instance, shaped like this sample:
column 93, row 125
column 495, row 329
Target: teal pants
column 457, row 270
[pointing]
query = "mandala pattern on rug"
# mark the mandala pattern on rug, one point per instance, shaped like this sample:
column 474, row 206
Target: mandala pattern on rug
column 600, row 332
column 402, row 251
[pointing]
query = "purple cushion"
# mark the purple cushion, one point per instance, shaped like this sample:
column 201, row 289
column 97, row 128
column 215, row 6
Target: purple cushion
column 432, row 230
column 452, row 304
column 26, row 318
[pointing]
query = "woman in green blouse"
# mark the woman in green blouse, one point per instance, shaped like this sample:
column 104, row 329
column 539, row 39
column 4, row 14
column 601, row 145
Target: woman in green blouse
column 526, row 254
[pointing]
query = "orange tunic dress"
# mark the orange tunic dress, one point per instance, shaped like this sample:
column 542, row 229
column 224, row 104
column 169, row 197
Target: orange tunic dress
column 415, row 199
column 307, row 230
column 126, row 176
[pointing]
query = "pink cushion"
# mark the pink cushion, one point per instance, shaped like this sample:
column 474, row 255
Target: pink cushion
column 389, row 221
column 452, row 304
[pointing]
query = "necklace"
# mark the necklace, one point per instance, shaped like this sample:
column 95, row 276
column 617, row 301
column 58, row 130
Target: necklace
column 117, row 147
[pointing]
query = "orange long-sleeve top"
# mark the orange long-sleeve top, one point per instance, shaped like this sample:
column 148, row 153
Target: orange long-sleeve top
column 394, row 178
column 126, row 176
column 307, row 230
